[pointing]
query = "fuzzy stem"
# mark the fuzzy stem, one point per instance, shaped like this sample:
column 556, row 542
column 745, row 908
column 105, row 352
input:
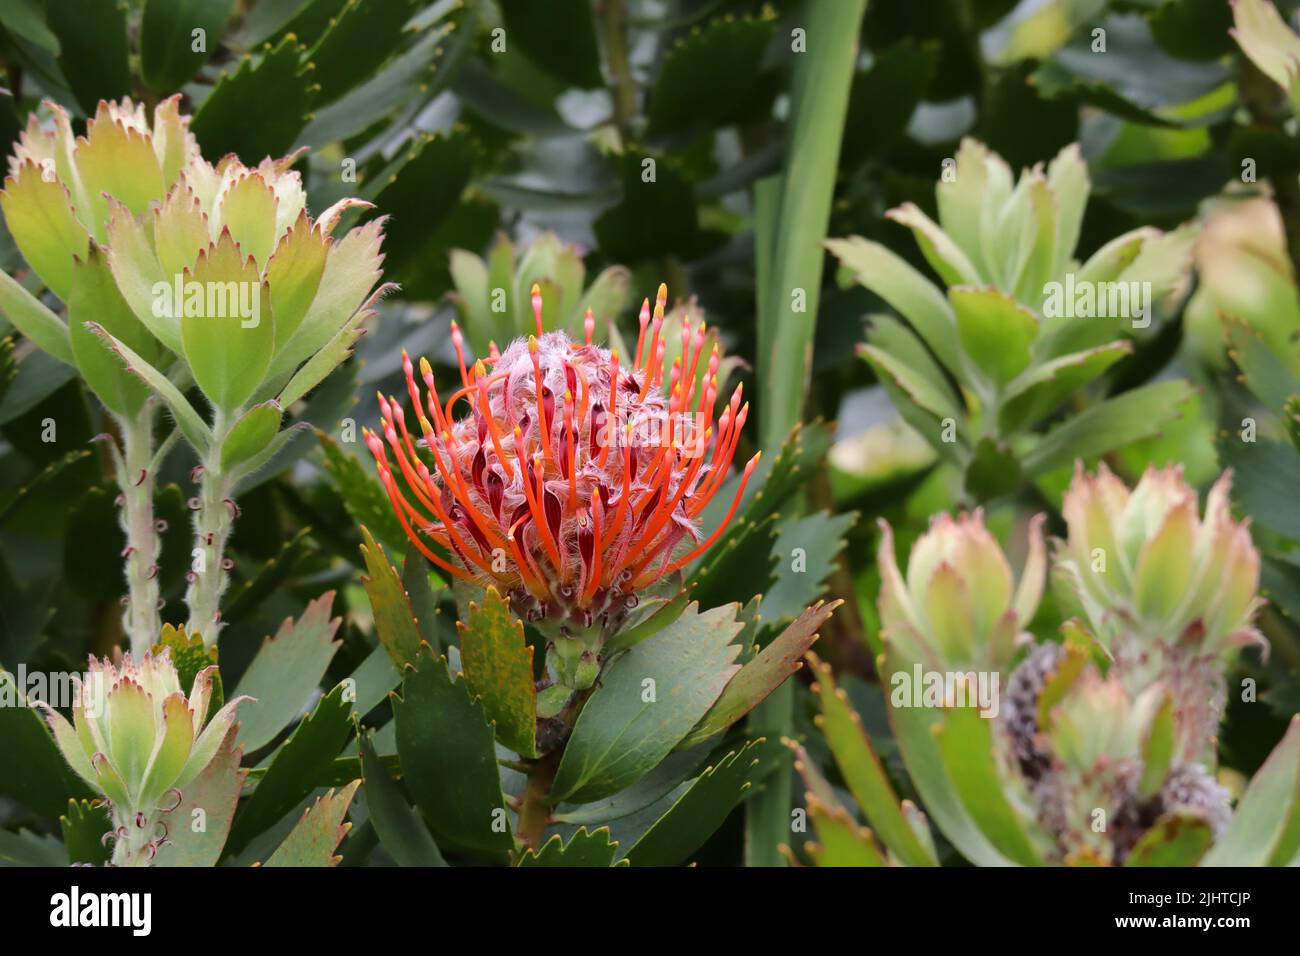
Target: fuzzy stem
column 133, row 843
column 135, row 478
column 213, row 520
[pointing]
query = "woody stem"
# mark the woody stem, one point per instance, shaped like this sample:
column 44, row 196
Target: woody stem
column 535, row 806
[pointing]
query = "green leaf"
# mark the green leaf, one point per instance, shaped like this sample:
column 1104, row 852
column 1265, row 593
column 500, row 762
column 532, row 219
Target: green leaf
column 806, row 549
column 259, row 109
column 307, row 754
column 167, row 39
column 32, row 770
column 449, row 760
column 739, row 565
column 939, row 249
column 84, row 826
column 697, row 813
column 242, row 600
column 228, row 344
column 653, row 218
column 423, row 186
column 362, row 494
column 395, row 622
column 969, row 755
column 498, row 664
column 34, row 320
column 911, row 294
column 647, row 700
column 1176, row 839
column 791, row 245
column 215, row 792
column 1041, row 389
column 396, row 85
column 434, row 626
column 317, row 835
column 26, row 848
column 361, row 36
column 774, row 481
column 996, row 331
column 840, row 841
column 1158, row 750
column 1264, row 481
column 93, row 51
column 190, row 656
column 912, row 727
column 188, row 420
column 863, row 772
column 398, row 825
column 722, row 57
column 286, row 671
column 559, row 37
column 38, row 212
column 374, row 678
column 1116, row 422
column 26, row 19
column 251, row 435
column 1265, row 826
column 584, row 848
column 1267, row 373
column 992, row 471
column 764, row 673
column 901, row 361
column 94, row 296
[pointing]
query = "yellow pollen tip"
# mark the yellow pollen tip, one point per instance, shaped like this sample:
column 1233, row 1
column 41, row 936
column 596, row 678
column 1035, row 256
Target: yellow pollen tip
column 535, row 290
column 425, row 367
column 532, row 344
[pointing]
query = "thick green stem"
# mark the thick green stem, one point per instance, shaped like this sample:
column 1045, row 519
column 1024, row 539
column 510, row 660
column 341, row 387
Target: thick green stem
column 796, row 213
column 214, row 517
column 135, row 478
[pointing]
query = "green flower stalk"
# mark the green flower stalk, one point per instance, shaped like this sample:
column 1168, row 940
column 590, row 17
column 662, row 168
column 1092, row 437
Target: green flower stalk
column 138, row 739
column 57, row 203
column 1170, row 594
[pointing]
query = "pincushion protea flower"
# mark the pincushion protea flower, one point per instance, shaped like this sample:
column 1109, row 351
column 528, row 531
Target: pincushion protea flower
column 137, row 740
column 572, row 483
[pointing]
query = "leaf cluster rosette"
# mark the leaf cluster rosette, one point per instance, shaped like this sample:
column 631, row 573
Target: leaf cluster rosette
column 138, row 739
column 1018, row 324
column 180, row 273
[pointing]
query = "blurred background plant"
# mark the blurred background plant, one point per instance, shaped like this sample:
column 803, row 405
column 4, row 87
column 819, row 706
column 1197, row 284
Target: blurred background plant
column 574, row 145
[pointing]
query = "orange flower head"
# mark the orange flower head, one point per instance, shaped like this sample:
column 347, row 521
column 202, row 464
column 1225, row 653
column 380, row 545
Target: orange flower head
column 567, row 479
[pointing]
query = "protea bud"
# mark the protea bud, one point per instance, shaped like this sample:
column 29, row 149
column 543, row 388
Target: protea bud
column 1170, row 594
column 572, row 481
column 138, row 740
column 958, row 607
column 1095, row 735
